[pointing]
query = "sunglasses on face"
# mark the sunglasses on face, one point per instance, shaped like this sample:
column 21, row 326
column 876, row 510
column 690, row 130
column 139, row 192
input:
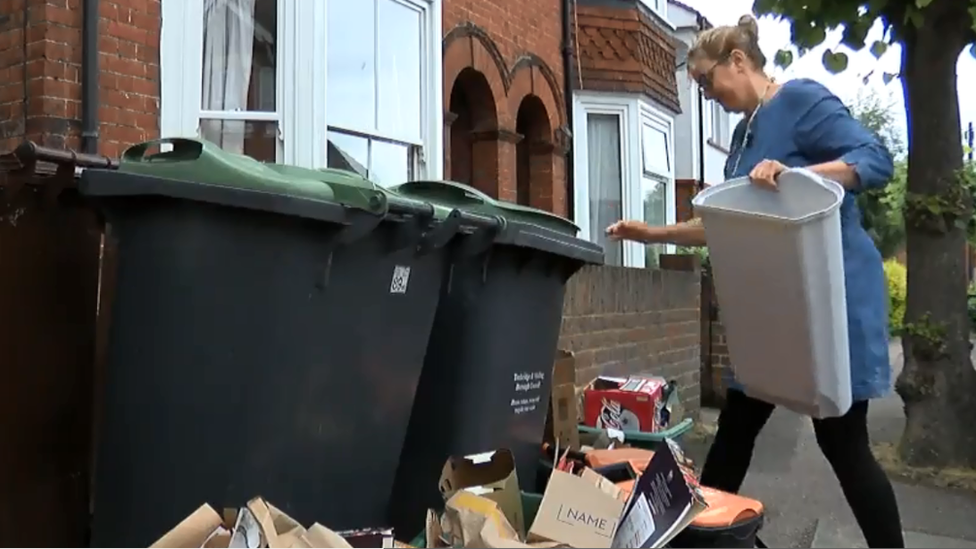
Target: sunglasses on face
column 706, row 79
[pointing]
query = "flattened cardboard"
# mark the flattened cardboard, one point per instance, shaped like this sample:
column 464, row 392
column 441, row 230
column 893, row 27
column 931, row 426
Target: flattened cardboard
column 257, row 525
column 576, row 512
column 490, row 475
column 564, row 412
column 193, row 531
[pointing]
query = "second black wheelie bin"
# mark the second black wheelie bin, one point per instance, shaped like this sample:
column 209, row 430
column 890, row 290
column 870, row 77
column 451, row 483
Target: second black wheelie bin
column 486, row 381
column 268, row 332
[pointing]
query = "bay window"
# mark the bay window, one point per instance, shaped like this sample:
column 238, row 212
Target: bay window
column 624, row 169
column 353, row 85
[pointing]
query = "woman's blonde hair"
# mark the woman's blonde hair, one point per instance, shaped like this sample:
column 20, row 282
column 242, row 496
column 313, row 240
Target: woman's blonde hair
column 717, row 43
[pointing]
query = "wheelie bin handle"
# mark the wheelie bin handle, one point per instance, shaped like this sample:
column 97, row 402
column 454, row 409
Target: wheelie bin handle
column 456, row 190
column 455, row 223
column 183, row 149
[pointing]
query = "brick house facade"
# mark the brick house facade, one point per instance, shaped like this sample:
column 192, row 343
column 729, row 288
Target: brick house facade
column 512, row 120
column 492, row 106
column 508, row 121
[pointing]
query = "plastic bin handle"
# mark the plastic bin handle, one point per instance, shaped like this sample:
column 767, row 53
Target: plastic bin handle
column 183, row 149
column 450, row 190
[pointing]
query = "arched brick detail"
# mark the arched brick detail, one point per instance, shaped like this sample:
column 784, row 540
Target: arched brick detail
column 468, row 46
column 531, row 76
column 492, row 153
column 534, row 154
column 532, row 80
column 471, row 135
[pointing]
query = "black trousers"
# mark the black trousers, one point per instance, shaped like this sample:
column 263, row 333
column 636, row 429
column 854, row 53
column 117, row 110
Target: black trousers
column 843, row 441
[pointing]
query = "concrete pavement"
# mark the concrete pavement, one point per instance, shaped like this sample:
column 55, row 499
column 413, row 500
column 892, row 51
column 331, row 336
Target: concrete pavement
column 805, row 507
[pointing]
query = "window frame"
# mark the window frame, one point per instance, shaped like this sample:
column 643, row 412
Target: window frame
column 301, row 81
column 660, row 7
column 719, row 130
column 633, row 111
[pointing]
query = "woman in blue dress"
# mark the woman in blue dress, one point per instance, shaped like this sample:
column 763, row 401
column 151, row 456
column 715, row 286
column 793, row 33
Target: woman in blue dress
column 800, row 124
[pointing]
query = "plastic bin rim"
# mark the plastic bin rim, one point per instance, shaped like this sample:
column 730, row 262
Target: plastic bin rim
column 506, row 208
column 699, row 200
column 113, row 184
column 524, row 234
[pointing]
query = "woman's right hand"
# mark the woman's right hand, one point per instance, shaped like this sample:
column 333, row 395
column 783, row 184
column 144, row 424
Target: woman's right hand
column 628, row 230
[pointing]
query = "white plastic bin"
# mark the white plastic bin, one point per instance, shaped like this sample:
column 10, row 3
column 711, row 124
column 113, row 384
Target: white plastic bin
column 778, row 266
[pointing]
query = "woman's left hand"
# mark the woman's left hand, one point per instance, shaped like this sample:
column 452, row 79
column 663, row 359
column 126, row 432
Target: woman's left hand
column 766, row 172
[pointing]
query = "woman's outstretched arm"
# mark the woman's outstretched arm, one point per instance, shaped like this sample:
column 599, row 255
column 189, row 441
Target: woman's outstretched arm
column 688, row 233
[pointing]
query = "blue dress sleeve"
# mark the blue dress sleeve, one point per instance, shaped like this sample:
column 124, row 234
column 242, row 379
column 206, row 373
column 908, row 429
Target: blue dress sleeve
column 828, row 132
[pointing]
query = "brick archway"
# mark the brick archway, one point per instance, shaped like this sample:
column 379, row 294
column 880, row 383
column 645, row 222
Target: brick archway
column 486, row 154
column 533, row 154
column 535, row 96
column 472, row 155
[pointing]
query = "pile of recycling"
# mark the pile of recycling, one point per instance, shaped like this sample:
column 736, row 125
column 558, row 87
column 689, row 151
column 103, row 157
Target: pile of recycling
column 599, row 487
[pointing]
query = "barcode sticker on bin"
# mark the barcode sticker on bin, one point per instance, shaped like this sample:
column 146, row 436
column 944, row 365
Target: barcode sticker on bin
column 401, row 278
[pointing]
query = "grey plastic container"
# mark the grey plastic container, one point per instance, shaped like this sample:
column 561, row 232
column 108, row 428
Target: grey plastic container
column 778, row 267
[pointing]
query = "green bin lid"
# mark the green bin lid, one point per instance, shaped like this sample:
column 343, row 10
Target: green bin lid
column 200, row 161
column 452, row 194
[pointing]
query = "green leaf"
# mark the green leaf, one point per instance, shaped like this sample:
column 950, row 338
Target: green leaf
column 783, row 59
column 855, row 33
column 888, row 77
column 914, row 17
column 878, row 49
column 764, row 7
column 922, row 4
column 806, row 34
column 834, row 62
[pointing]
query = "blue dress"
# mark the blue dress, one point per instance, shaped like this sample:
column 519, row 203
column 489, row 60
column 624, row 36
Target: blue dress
column 805, row 124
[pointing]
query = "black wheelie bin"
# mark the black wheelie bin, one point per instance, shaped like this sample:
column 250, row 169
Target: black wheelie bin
column 486, row 380
column 268, row 333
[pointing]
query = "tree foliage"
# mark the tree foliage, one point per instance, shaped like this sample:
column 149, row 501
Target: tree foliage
column 811, row 20
column 938, row 382
column 881, row 209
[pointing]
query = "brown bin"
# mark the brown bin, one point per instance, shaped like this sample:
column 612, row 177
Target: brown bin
column 49, row 272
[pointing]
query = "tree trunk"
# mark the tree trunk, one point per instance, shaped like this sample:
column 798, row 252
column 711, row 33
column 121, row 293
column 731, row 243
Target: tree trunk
column 938, row 388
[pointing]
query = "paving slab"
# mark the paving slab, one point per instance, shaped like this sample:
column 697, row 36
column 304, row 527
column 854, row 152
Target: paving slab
column 804, row 503
column 833, row 536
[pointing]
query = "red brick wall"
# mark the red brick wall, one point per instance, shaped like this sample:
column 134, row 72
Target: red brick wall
column 716, row 363
column 11, row 73
column 502, row 57
column 129, row 81
column 620, row 321
column 685, row 190
column 51, row 56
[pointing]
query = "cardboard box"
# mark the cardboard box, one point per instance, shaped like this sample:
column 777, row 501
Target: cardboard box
column 578, row 511
column 564, row 410
column 490, row 475
column 632, row 404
